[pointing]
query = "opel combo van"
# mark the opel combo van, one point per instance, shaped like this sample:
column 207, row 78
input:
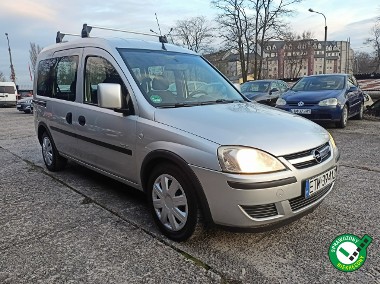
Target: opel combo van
column 106, row 104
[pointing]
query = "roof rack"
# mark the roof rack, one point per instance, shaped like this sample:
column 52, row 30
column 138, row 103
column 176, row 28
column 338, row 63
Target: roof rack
column 59, row 37
column 87, row 29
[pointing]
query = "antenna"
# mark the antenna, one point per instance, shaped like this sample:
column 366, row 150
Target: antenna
column 158, row 24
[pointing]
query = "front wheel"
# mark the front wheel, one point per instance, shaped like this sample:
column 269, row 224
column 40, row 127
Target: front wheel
column 342, row 123
column 172, row 201
column 53, row 161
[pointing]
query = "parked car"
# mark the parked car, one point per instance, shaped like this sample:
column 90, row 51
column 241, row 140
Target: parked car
column 264, row 91
column 325, row 98
column 8, row 94
column 374, row 109
column 25, row 105
column 209, row 153
column 367, row 100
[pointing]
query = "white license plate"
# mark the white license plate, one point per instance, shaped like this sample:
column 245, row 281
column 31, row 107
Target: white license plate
column 18, row 105
column 301, row 111
column 315, row 184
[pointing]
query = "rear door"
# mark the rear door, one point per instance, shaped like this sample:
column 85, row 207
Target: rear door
column 106, row 139
column 56, row 97
column 354, row 97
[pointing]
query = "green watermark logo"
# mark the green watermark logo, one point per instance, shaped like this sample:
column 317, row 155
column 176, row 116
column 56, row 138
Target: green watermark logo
column 348, row 252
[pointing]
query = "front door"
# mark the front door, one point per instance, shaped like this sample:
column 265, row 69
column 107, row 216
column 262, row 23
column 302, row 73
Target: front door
column 106, row 139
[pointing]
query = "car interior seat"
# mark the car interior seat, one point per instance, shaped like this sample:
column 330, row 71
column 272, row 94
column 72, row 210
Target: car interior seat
column 160, row 86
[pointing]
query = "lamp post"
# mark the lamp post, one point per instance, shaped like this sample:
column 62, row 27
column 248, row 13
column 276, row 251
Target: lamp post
column 13, row 75
column 324, row 47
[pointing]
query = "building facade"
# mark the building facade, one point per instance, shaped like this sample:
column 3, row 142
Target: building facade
column 285, row 59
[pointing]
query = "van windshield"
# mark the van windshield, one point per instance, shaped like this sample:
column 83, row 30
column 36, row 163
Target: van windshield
column 171, row 79
column 7, row 90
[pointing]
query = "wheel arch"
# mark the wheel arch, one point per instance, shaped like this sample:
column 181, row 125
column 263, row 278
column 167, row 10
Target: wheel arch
column 42, row 127
column 163, row 156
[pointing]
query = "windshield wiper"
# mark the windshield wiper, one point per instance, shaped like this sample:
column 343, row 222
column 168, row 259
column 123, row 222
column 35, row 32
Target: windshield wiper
column 227, row 101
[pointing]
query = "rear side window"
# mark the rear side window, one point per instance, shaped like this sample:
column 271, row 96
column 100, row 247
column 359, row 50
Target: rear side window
column 7, row 90
column 57, row 77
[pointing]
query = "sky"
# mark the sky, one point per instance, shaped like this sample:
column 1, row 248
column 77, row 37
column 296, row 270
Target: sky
column 38, row 21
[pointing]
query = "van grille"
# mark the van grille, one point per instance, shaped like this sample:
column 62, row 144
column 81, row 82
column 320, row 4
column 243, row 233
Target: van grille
column 301, row 202
column 325, row 154
column 260, row 211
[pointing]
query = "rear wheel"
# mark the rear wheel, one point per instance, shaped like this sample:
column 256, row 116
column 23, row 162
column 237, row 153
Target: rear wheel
column 172, row 202
column 342, row 123
column 53, row 161
column 359, row 116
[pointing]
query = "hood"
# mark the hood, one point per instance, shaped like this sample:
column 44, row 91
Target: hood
column 310, row 96
column 247, row 124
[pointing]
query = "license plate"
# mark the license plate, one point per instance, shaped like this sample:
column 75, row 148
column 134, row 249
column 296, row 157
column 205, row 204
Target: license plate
column 18, row 105
column 315, row 184
column 301, row 111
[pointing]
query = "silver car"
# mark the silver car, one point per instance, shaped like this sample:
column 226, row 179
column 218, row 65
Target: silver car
column 106, row 104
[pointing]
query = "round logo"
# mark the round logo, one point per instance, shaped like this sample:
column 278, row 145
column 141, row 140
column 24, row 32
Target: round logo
column 348, row 252
column 301, row 103
column 317, row 156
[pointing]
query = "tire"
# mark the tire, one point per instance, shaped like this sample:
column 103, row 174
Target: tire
column 166, row 184
column 27, row 111
column 53, row 161
column 342, row 123
column 359, row 116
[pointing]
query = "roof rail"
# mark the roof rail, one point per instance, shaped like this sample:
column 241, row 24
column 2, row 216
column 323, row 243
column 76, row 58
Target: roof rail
column 59, row 37
column 87, row 29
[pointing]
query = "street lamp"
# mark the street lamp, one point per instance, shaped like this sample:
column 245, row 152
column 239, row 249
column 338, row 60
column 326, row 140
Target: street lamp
column 13, row 75
column 324, row 47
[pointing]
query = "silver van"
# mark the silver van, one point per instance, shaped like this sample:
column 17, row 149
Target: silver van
column 210, row 152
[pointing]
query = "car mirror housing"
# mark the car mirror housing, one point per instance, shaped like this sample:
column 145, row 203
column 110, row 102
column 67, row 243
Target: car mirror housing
column 109, row 95
column 353, row 89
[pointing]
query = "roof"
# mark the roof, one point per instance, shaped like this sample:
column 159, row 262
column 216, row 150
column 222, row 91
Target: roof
column 114, row 43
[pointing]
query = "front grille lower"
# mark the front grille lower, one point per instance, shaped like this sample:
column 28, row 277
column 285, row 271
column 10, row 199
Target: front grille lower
column 260, row 211
column 301, row 202
column 311, row 162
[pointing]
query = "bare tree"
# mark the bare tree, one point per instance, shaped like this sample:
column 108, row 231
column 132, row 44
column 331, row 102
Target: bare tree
column 2, row 77
column 374, row 42
column 236, row 29
column 194, row 33
column 363, row 62
column 296, row 52
column 34, row 50
column 269, row 24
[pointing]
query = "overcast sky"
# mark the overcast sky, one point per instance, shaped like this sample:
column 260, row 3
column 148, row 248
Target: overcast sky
column 38, row 21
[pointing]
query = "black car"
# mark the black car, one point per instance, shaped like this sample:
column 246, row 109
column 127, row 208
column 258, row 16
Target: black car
column 25, row 105
column 264, row 91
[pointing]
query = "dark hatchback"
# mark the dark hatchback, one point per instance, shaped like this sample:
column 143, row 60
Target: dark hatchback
column 325, row 98
column 264, row 91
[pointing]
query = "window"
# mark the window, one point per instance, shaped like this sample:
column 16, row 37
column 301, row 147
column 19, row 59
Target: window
column 99, row 70
column 7, row 89
column 57, row 78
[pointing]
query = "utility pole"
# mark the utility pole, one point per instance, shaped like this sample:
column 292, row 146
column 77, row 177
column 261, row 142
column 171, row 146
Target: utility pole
column 13, row 75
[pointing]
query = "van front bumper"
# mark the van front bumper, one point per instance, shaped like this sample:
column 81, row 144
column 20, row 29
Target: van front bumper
column 252, row 201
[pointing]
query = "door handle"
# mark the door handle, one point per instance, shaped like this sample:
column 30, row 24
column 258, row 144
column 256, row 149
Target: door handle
column 69, row 118
column 82, row 120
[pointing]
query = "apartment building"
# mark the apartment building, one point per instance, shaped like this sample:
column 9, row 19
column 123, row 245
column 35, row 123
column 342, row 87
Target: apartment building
column 284, row 59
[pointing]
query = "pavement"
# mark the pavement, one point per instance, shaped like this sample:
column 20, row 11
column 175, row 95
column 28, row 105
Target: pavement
column 77, row 226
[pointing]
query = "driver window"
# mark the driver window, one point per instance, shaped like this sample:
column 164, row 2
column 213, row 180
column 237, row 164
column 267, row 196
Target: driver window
column 99, row 70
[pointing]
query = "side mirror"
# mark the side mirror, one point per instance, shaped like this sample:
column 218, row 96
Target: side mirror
column 110, row 96
column 352, row 89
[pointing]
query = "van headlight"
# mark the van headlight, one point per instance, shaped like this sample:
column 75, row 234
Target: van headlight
column 280, row 102
column 244, row 160
column 328, row 102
